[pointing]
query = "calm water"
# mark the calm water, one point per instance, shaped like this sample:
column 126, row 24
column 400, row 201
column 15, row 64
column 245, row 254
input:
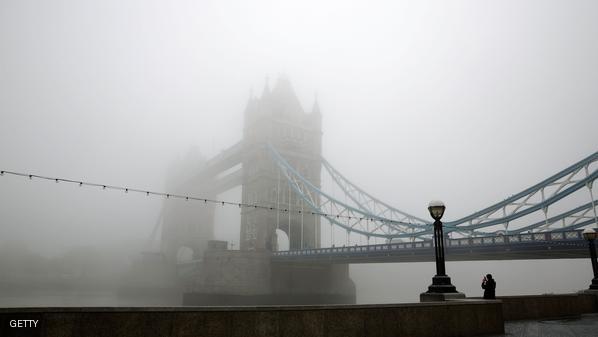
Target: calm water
column 375, row 283
column 84, row 298
column 395, row 283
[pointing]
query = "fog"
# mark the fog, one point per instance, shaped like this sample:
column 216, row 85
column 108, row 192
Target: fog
column 464, row 101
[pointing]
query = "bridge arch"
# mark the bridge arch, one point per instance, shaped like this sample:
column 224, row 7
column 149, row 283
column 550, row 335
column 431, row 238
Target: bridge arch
column 282, row 240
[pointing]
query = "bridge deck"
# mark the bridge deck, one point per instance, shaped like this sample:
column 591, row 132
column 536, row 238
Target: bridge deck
column 552, row 245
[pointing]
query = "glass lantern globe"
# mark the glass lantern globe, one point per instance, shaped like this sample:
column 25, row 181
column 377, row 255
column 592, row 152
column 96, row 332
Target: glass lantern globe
column 436, row 208
column 589, row 234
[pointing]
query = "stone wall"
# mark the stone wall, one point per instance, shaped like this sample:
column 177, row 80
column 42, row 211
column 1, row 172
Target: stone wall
column 233, row 272
column 469, row 318
column 547, row 306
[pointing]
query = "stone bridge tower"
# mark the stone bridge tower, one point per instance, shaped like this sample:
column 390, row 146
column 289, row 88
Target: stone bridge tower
column 277, row 118
column 249, row 276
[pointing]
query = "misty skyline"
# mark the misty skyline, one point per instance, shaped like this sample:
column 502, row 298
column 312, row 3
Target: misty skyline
column 467, row 102
column 464, row 101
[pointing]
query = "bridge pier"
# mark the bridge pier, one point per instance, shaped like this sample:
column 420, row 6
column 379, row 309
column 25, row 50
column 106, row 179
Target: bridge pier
column 307, row 283
column 233, row 277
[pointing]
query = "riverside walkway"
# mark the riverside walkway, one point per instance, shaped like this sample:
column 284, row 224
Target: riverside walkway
column 584, row 326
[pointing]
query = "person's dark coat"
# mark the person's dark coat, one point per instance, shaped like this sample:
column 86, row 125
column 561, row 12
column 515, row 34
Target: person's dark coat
column 489, row 286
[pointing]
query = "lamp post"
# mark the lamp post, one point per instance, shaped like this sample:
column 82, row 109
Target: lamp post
column 441, row 287
column 590, row 235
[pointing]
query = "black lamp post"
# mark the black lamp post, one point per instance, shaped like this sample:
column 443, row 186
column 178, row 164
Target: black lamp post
column 590, row 235
column 441, row 283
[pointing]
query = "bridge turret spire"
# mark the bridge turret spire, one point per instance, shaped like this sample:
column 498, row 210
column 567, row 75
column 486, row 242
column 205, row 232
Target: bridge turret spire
column 266, row 90
column 316, row 108
column 251, row 104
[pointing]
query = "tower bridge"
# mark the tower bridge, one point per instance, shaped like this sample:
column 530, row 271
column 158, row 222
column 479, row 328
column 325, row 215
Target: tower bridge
column 279, row 166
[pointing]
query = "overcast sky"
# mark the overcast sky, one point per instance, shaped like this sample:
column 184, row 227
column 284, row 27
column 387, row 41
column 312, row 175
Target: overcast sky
column 464, row 101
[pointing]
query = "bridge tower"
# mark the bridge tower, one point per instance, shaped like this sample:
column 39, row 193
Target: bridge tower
column 186, row 228
column 249, row 276
column 277, row 118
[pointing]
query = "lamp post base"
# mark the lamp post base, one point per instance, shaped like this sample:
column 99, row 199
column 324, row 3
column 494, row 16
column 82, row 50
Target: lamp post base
column 439, row 297
column 441, row 289
column 441, row 284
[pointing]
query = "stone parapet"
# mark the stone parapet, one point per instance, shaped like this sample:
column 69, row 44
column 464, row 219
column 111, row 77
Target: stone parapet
column 547, row 306
column 468, row 318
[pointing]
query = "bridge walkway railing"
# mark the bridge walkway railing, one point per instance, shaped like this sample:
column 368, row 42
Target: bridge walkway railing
column 552, row 238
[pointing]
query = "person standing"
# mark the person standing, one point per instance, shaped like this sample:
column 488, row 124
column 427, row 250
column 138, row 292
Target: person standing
column 489, row 286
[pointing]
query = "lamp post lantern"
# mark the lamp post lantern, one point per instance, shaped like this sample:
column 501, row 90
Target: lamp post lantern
column 590, row 235
column 441, row 287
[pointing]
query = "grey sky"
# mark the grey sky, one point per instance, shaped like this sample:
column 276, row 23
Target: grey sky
column 466, row 101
